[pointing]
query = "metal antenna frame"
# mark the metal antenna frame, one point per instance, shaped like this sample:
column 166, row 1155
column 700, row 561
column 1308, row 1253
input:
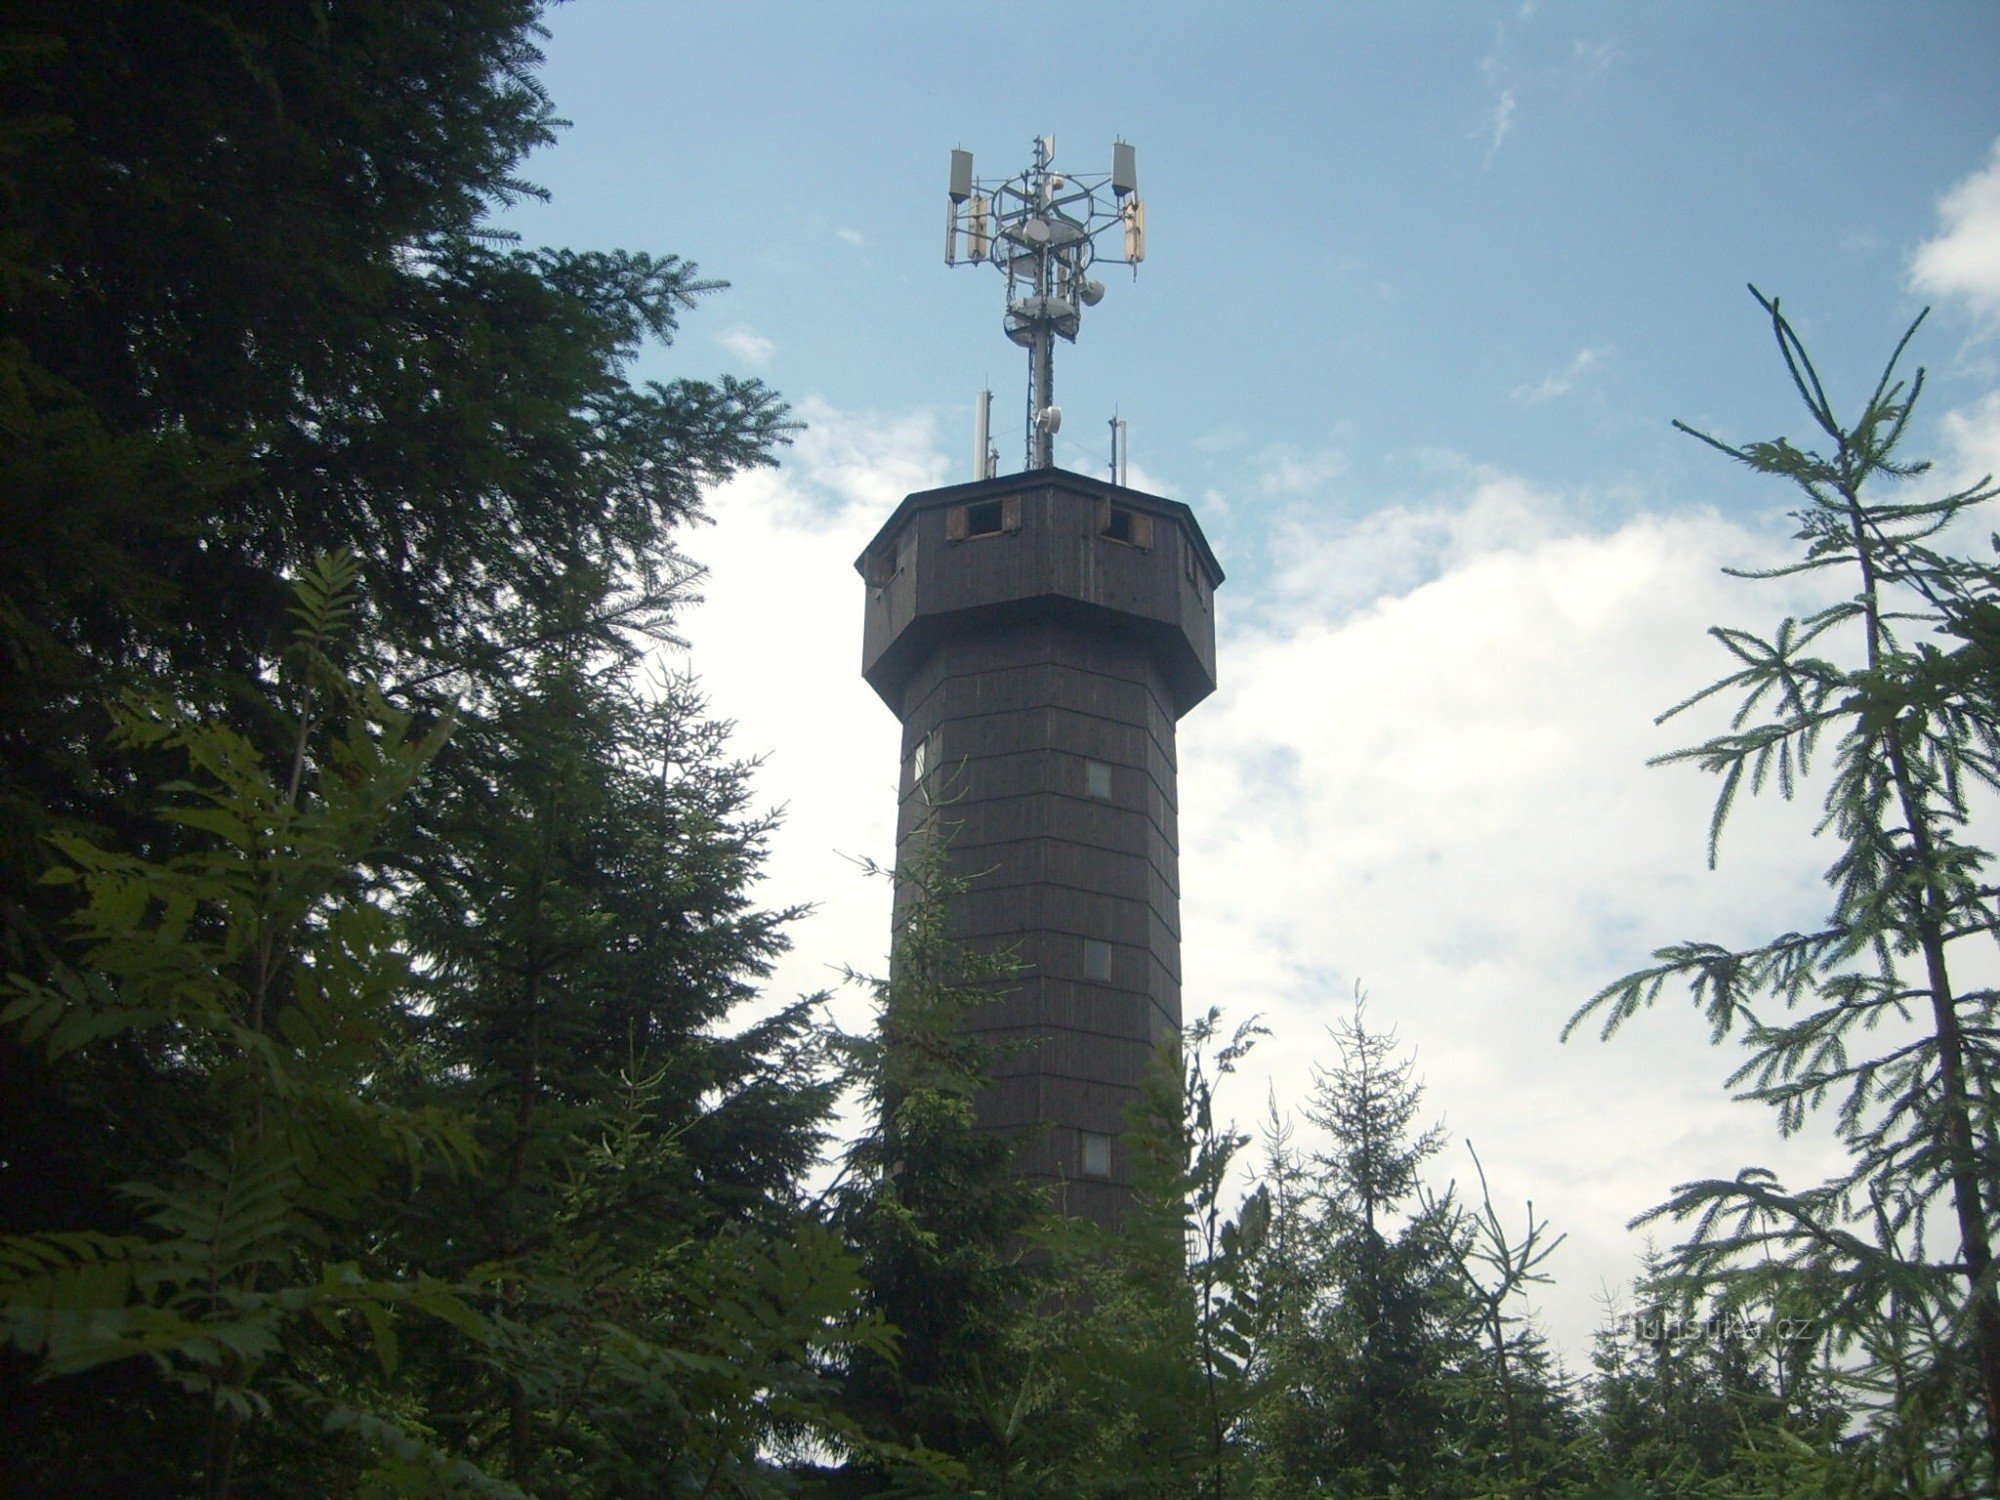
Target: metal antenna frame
column 1040, row 228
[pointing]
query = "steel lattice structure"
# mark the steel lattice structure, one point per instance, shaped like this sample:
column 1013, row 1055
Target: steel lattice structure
column 1042, row 229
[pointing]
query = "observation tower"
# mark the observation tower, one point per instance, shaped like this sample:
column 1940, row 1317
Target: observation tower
column 1039, row 635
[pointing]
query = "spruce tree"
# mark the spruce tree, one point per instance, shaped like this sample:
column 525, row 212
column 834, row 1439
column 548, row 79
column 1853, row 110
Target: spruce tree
column 586, row 939
column 1511, row 1417
column 1370, row 1331
column 1697, row 1398
column 256, row 313
column 945, row 1230
column 1168, row 1354
column 1870, row 1016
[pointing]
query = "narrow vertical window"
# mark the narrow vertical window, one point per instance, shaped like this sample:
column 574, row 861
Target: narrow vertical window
column 1097, row 960
column 1097, row 780
column 923, row 766
column 1094, row 1159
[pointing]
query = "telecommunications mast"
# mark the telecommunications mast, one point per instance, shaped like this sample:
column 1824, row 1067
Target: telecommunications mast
column 1041, row 229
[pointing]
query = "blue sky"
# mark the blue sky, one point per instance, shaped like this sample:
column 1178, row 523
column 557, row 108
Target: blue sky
column 1377, row 226
column 1424, row 286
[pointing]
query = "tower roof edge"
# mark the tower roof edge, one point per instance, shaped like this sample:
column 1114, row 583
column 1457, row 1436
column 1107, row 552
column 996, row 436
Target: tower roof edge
column 977, row 490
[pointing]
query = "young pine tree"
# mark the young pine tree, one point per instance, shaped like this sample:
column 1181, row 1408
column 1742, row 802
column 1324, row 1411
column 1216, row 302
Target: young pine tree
column 1511, row 1415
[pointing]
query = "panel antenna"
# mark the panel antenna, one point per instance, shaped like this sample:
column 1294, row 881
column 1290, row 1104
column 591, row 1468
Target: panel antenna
column 1040, row 228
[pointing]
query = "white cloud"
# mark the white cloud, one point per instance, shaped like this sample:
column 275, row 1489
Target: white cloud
column 1143, row 479
column 1509, row 78
column 1499, row 124
column 1595, row 58
column 1497, row 70
column 1561, row 382
column 1425, row 771
column 1972, row 435
column 1963, row 259
column 1327, row 570
column 1288, row 473
column 850, row 236
column 747, row 346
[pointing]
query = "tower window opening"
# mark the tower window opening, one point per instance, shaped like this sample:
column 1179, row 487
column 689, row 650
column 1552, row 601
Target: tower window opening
column 1117, row 523
column 983, row 518
column 923, row 768
column 1094, row 1157
column 1097, row 780
column 1097, row 960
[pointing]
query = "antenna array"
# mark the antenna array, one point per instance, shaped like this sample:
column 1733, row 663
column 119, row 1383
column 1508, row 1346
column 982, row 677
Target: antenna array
column 1041, row 228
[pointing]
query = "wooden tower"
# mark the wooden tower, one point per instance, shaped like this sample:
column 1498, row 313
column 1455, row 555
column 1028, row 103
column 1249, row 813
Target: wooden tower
column 1039, row 635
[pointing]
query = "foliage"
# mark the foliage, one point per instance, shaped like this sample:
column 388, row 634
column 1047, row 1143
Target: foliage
column 586, row 936
column 616, row 1295
column 1868, row 1017
column 253, row 314
column 1167, row 1342
column 381, row 1115
column 944, row 1229
column 1692, row 1398
column 1366, row 1333
column 1511, row 1416
column 266, row 988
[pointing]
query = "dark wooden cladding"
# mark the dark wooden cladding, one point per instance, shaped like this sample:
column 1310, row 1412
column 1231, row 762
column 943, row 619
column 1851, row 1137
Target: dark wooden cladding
column 1024, row 629
column 1057, row 560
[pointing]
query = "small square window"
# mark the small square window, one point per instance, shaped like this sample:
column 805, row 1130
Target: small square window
column 1133, row 528
column 1097, row 779
column 1097, row 960
column 983, row 518
column 1095, row 1155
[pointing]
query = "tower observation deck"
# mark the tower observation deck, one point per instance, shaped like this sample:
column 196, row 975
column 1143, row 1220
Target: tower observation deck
column 1039, row 636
